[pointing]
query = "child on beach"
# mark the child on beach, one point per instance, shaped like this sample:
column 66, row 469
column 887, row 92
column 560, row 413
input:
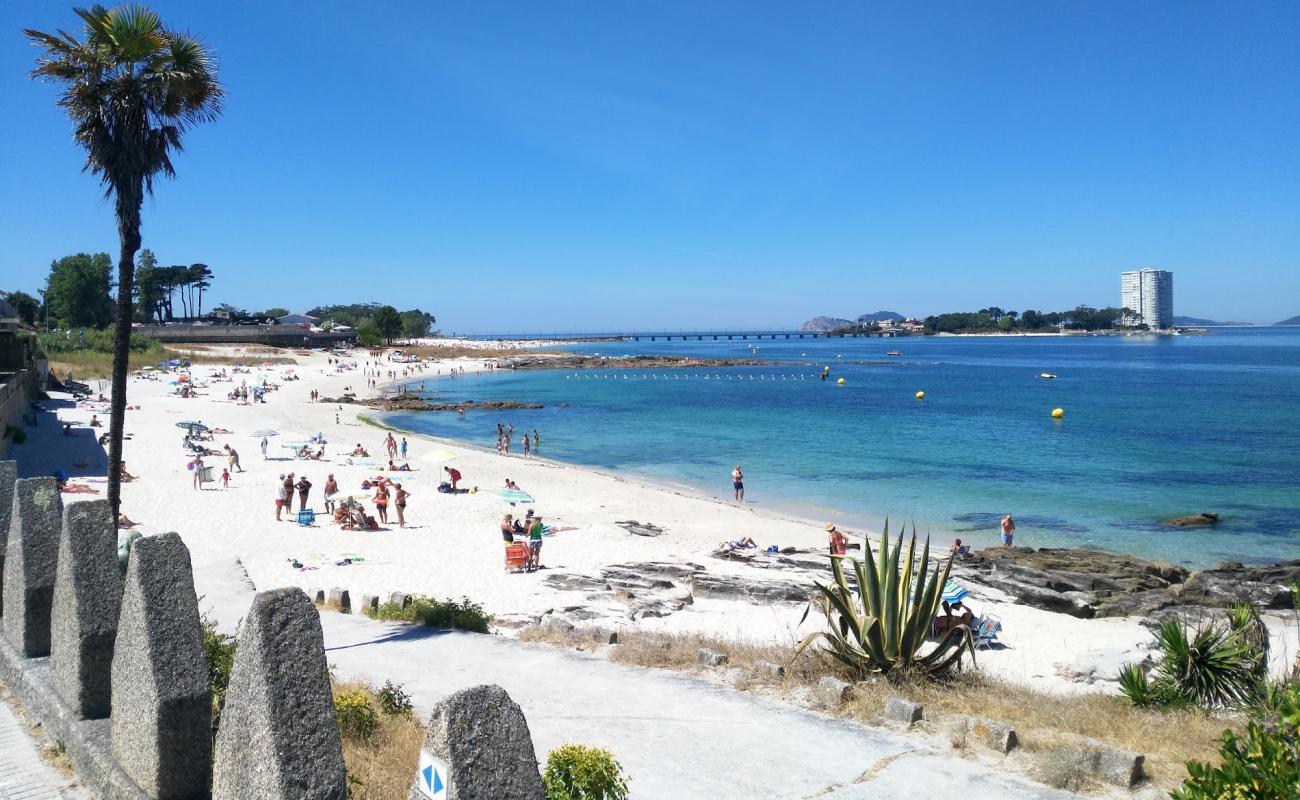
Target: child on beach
column 225, row 478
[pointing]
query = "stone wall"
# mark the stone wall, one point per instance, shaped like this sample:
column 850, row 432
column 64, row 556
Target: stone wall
column 113, row 667
column 15, row 396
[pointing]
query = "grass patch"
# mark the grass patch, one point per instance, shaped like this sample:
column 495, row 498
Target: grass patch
column 92, row 365
column 382, row 751
column 1045, row 722
column 465, row 614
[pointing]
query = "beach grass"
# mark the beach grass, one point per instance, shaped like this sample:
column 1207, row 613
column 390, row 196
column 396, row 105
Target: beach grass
column 380, row 761
column 94, row 365
column 1046, row 723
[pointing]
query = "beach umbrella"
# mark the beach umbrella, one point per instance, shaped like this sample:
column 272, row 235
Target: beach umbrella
column 953, row 593
column 439, row 455
column 264, row 432
column 515, row 496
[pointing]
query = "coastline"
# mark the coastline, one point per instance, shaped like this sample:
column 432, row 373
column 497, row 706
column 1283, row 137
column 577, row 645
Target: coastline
column 452, row 548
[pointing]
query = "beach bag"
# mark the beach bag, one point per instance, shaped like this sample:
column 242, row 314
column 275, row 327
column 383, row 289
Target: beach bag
column 445, row 488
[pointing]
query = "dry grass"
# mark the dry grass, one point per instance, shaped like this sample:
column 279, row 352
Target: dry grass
column 380, row 766
column 87, row 365
column 1046, row 723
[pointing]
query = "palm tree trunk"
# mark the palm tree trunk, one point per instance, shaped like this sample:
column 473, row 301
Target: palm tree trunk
column 129, row 200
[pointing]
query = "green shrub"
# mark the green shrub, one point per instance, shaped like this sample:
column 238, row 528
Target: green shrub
column 1265, row 765
column 393, row 700
column 220, row 650
column 355, row 714
column 575, row 772
column 98, row 341
column 1215, row 665
column 464, row 614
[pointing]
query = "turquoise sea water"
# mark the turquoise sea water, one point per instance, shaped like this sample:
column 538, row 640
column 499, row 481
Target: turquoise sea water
column 1154, row 427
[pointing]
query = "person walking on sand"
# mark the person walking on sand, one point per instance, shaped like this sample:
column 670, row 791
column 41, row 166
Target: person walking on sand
column 198, row 472
column 331, row 489
column 738, row 483
column 1008, row 530
column 263, row 448
column 391, row 444
column 403, row 448
column 279, row 497
column 303, row 486
column 232, row 457
column 527, row 447
column 225, row 479
column 399, row 502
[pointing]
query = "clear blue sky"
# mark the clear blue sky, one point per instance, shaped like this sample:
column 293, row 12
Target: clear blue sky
column 534, row 166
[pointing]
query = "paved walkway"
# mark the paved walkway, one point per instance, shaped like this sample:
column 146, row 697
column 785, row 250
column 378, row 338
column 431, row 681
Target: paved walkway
column 23, row 775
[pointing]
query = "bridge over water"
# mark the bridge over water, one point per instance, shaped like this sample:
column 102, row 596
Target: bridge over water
column 668, row 336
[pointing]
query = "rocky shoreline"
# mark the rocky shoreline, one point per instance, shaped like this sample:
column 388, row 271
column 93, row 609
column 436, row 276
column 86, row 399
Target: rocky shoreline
column 411, row 402
column 572, row 361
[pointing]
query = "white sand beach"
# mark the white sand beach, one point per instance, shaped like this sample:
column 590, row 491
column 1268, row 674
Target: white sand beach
column 451, row 546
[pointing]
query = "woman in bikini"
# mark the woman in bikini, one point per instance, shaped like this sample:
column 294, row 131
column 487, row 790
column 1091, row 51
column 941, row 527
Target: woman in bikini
column 381, row 503
column 400, row 502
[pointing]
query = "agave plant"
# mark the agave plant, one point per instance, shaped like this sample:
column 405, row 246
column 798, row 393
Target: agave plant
column 883, row 626
column 1214, row 665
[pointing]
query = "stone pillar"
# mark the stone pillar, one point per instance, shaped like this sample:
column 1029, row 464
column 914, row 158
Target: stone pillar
column 87, row 600
column 30, row 556
column 8, row 474
column 478, row 746
column 162, row 706
column 278, row 738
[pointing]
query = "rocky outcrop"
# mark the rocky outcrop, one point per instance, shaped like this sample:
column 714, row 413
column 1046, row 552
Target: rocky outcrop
column 824, row 324
column 1088, row 583
column 410, row 402
column 1194, row 521
column 640, row 528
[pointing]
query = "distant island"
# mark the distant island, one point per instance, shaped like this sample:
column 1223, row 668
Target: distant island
column 1185, row 322
column 1290, row 321
column 827, row 324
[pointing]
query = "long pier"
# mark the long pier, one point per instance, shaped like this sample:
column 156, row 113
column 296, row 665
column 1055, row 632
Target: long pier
column 668, row 336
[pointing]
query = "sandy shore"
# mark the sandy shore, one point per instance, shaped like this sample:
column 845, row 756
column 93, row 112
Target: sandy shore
column 451, row 546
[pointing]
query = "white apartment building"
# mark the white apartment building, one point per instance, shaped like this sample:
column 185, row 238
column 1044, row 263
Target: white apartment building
column 1149, row 294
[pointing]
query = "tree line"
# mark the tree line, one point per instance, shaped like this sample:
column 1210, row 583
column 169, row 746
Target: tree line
column 994, row 319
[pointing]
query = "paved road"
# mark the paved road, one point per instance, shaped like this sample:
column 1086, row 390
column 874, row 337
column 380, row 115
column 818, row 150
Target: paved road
column 23, row 775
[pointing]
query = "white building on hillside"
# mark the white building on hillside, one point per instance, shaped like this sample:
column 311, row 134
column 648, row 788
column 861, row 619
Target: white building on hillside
column 1149, row 294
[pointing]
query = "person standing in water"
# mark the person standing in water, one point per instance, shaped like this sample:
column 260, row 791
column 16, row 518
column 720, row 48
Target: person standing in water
column 537, row 441
column 738, row 483
column 1008, row 530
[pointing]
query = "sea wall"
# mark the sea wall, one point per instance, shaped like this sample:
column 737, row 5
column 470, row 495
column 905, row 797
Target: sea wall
column 113, row 666
column 15, row 395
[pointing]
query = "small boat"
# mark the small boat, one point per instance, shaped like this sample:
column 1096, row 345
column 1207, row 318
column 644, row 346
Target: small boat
column 894, row 353
column 1047, row 376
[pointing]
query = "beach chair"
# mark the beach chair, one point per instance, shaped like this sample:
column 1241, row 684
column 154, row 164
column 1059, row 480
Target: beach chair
column 516, row 557
column 986, row 631
column 306, row 517
column 206, row 476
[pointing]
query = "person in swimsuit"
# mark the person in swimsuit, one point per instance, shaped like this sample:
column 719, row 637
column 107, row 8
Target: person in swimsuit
column 508, row 529
column 279, row 497
column 331, row 489
column 535, row 544
column 1008, row 530
column 288, row 493
column 381, row 503
column 400, row 502
column 303, row 486
column 839, row 542
column 738, row 483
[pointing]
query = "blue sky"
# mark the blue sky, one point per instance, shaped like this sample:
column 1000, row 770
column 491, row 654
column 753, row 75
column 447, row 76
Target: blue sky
column 543, row 166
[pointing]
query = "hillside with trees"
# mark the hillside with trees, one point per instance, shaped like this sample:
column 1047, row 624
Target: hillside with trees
column 994, row 320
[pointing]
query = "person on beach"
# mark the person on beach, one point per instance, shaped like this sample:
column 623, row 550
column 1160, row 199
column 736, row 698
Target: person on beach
column 537, row 441
column 288, row 493
column 399, row 501
column 232, row 457
column 331, row 489
column 381, row 502
column 535, row 544
column 225, row 479
column 738, row 483
column 403, row 448
column 198, row 472
column 527, row 448
column 263, row 448
column 279, row 497
column 957, row 548
column 839, row 542
column 1008, row 530
column 391, row 444
column 304, row 487
column 454, row 475
column 508, row 529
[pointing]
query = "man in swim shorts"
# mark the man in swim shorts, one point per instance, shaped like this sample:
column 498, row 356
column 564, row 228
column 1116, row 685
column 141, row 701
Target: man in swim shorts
column 738, row 483
column 1008, row 530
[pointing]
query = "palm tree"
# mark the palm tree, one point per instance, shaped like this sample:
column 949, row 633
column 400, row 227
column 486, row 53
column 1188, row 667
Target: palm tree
column 131, row 88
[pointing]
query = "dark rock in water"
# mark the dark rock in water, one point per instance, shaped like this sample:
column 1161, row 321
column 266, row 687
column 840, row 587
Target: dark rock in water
column 1194, row 521
column 410, row 402
column 640, row 528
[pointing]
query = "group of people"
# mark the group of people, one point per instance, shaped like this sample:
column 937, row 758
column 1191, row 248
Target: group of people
column 506, row 434
column 531, row 528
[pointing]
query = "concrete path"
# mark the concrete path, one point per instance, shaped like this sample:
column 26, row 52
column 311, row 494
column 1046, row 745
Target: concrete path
column 23, row 775
column 677, row 736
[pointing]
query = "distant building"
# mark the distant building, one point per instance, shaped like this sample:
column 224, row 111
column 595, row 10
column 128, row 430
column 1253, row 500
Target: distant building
column 297, row 319
column 1149, row 295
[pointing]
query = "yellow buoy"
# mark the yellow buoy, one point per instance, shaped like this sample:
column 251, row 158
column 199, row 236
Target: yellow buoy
column 1057, row 413
column 920, row 395
column 839, row 382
